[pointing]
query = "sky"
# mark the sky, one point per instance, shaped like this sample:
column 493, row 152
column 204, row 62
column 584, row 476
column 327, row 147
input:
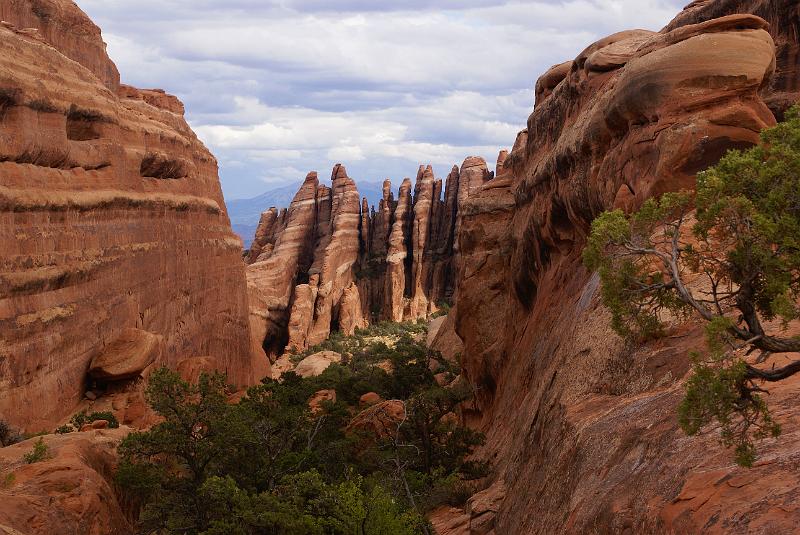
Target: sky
column 278, row 88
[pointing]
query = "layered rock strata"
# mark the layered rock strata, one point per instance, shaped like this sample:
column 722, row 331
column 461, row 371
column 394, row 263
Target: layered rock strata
column 332, row 263
column 116, row 247
column 783, row 17
column 582, row 429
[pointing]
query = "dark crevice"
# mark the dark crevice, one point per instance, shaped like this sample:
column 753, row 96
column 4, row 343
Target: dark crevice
column 8, row 99
column 83, row 124
column 155, row 165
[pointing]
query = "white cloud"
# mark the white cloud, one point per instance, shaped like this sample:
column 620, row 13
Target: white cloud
column 279, row 87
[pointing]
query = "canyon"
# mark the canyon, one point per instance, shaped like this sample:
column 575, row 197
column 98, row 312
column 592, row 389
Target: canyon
column 118, row 256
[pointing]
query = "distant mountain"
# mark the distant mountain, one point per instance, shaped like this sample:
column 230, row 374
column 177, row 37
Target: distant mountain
column 245, row 213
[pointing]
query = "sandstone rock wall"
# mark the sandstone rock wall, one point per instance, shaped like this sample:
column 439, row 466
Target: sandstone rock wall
column 111, row 219
column 358, row 264
column 783, row 17
column 582, row 430
column 72, row 491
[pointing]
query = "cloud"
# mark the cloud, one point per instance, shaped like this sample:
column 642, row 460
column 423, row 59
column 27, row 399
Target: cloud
column 279, row 87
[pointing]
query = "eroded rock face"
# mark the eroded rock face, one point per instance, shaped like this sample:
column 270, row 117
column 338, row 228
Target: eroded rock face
column 272, row 277
column 112, row 219
column 573, row 417
column 68, row 29
column 783, row 17
column 332, row 263
column 70, row 492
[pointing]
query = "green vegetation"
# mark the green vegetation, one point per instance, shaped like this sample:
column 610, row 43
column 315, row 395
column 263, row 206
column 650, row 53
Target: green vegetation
column 82, row 418
column 7, row 481
column 742, row 256
column 268, row 464
column 366, row 342
column 444, row 309
column 39, row 453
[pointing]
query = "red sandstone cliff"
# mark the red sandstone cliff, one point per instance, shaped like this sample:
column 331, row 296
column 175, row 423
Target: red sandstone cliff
column 330, row 263
column 120, row 252
column 117, row 252
column 581, row 429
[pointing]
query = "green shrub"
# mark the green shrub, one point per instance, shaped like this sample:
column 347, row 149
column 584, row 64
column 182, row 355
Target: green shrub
column 39, row 453
column 82, row 418
column 7, row 481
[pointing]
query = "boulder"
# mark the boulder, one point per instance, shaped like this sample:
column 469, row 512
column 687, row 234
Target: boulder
column 483, row 508
column 125, row 358
column 282, row 365
column 445, row 339
column 315, row 403
column 370, row 398
column 72, row 491
column 380, row 420
column 317, row 363
column 100, row 424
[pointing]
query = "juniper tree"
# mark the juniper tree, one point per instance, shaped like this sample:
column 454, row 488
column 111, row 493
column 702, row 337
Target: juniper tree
column 729, row 254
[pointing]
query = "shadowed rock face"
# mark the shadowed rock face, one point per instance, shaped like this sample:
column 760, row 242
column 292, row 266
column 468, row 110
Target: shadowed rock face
column 113, row 220
column 582, row 431
column 332, row 263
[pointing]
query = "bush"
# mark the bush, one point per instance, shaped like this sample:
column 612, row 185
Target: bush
column 39, row 453
column 82, row 418
column 64, row 429
column 7, row 481
column 444, row 309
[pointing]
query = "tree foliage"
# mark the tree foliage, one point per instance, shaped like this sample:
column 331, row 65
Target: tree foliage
column 40, row 452
column 729, row 254
column 268, row 464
